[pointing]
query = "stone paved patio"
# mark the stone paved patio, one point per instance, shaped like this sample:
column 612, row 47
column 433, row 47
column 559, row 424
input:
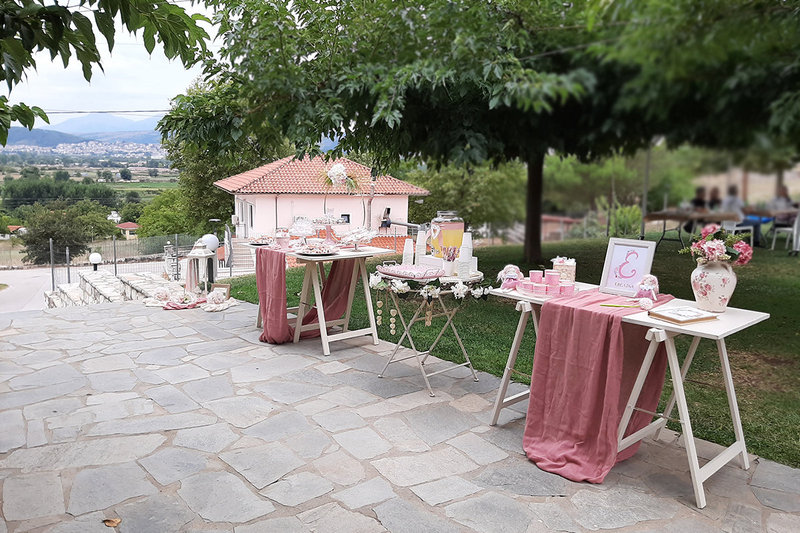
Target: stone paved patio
column 183, row 421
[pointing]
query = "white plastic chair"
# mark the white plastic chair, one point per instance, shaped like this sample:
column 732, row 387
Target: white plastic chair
column 731, row 227
column 788, row 230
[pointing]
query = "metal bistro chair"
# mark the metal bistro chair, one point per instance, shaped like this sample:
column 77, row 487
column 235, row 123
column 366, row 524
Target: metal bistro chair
column 731, row 227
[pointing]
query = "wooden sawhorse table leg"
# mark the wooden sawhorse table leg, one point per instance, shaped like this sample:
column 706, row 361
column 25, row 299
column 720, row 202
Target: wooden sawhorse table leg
column 677, row 373
column 527, row 311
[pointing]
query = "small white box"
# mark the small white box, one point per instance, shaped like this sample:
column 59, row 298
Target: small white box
column 431, row 261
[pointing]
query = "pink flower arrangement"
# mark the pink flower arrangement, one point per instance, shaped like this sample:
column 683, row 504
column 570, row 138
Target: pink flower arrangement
column 709, row 229
column 716, row 245
column 745, row 253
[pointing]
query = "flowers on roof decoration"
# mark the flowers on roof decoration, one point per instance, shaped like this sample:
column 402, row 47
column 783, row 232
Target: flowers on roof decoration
column 715, row 244
column 337, row 177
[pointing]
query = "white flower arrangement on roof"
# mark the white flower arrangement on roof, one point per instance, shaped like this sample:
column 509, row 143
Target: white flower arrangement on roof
column 337, row 177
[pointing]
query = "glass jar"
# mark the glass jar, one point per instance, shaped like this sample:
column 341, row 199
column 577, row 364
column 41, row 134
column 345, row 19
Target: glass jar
column 447, row 232
column 282, row 237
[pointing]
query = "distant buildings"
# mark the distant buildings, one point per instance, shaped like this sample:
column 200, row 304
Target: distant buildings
column 93, row 149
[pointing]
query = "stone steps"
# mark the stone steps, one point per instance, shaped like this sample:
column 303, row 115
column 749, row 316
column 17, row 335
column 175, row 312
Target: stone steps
column 137, row 286
column 71, row 294
column 101, row 286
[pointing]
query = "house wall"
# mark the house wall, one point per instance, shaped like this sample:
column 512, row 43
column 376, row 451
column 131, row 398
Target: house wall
column 290, row 206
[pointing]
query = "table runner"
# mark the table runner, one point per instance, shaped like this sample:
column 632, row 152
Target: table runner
column 584, row 366
column 271, row 287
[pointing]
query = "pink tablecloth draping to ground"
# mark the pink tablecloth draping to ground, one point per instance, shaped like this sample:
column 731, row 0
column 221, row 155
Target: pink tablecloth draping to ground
column 271, row 286
column 584, row 366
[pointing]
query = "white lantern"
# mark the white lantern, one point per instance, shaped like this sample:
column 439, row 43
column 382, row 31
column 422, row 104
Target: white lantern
column 211, row 241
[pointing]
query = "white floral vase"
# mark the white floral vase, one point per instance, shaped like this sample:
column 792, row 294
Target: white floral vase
column 713, row 284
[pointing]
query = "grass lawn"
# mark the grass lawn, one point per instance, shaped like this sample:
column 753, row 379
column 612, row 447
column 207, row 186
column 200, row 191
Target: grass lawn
column 765, row 359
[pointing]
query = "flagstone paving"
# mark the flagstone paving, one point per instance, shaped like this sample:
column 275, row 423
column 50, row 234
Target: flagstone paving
column 182, row 421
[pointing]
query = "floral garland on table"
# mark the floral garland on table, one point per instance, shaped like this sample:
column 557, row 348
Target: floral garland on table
column 427, row 290
column 714, row 244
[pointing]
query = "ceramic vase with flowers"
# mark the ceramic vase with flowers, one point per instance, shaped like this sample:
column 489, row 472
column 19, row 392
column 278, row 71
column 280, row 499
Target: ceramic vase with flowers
column 713, row 281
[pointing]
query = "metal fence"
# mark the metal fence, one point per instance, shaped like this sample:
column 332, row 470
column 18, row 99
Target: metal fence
column 120, row 256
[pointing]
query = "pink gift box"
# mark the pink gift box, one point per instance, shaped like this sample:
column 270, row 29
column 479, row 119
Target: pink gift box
column 539, row 289
column 566, row 288
column 552, row 277
column 525, row 287
column 536, row 276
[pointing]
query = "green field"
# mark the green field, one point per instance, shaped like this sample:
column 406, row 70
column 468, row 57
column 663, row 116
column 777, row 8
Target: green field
column 764, row 358
column 147, row 190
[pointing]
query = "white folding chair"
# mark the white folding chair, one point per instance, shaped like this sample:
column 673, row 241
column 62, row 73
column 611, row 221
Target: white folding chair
column 731, row 227
column 788, row 230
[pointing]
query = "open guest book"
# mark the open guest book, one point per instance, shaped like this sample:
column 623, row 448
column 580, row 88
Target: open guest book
column 682, row 315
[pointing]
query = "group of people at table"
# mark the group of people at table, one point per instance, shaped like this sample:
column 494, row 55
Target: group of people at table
column 732, row 203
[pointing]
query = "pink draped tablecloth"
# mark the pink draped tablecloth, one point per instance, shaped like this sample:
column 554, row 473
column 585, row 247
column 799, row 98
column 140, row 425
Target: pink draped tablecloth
column 584, row 366
column 271, row 286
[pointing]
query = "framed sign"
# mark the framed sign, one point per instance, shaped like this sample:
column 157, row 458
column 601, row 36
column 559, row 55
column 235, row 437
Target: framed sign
column 627, row 262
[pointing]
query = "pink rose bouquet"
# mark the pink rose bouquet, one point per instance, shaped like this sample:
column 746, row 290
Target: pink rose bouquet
column 714, row 244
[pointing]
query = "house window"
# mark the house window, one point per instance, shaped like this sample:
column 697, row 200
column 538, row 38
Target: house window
column 251, row 215
column 345, row 217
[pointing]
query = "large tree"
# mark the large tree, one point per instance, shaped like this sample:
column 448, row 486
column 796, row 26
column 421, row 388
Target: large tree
column 60, row 222
column 68, row 32
column 720, row 73
column 440, row 80
column 209, row 135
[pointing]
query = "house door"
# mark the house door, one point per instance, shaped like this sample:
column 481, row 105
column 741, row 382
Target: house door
column 246, row 214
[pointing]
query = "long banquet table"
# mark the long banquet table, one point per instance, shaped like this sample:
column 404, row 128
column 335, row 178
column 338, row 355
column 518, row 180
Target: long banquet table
column 657, row 333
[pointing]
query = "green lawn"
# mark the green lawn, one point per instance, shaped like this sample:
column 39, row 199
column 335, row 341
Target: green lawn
column 765, row 359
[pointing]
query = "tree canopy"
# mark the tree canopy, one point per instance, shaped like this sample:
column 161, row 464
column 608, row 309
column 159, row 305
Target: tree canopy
column 30, row 191
column 467, row 82
column 68, row 32
column 209, row 135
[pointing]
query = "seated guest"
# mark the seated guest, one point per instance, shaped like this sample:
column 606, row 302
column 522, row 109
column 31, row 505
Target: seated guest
column 714, row 199
column 699, row 206
column 733, row 204
column 783, row 201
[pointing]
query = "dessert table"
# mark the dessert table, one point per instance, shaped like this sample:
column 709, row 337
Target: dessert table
column 657, row 333
column 311, row 319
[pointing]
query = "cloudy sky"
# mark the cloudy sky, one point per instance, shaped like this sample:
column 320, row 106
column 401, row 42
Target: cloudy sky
column 132, row 80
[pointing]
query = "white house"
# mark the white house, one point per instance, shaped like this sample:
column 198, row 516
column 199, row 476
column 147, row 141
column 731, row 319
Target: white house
column 271, row 196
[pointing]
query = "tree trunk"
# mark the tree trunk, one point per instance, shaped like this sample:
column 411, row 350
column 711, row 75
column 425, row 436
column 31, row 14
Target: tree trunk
column 533, row 205
column 779, row 182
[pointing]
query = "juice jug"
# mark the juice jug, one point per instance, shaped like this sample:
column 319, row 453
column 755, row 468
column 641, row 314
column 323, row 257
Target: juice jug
column 447, row 232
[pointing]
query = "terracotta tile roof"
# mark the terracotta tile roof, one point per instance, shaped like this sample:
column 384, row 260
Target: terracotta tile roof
column 304, row 176
column 12, row 229
column 128, row 225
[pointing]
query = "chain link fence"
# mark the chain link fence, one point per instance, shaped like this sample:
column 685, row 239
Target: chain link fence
column 120, row 256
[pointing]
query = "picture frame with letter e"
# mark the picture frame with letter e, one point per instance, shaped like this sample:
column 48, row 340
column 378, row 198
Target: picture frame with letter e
column 627, row 262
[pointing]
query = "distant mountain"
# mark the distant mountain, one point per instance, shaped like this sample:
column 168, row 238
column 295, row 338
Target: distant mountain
column 101, row 123
column 37, row 137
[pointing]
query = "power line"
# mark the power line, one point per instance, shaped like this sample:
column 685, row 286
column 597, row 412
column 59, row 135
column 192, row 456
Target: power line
column 109, row 112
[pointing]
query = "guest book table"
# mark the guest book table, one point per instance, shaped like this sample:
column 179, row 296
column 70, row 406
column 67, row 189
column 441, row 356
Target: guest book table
column 333, row 297
column 657, row 333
